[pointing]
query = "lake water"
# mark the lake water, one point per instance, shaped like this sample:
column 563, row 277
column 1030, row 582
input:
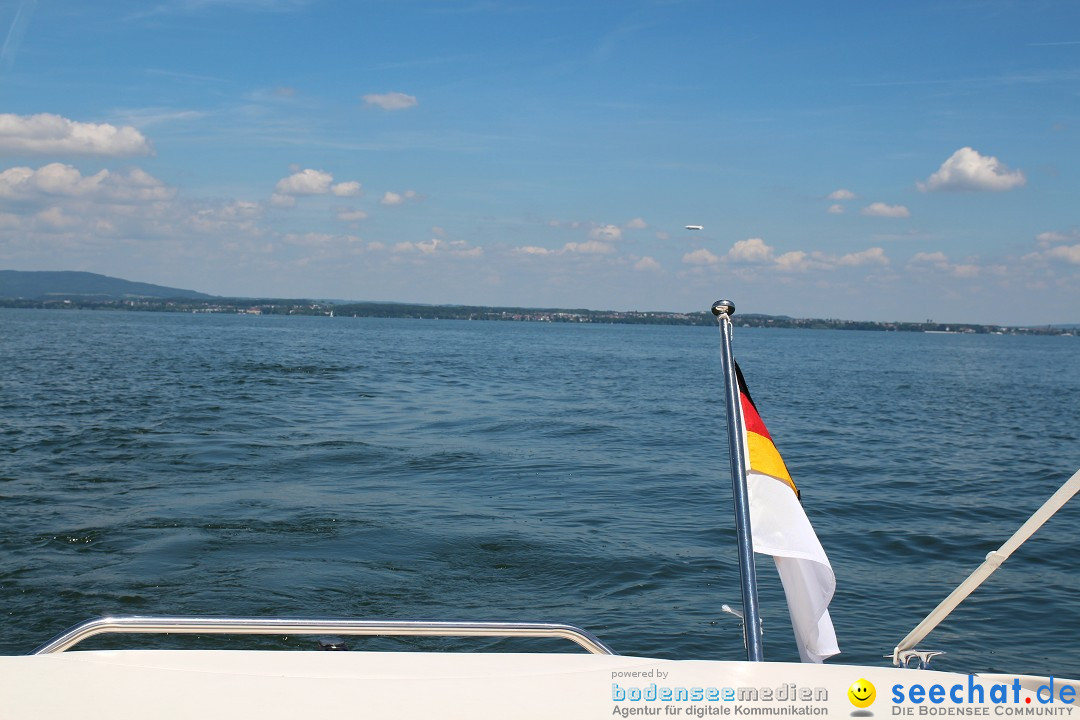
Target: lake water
column 314, row 466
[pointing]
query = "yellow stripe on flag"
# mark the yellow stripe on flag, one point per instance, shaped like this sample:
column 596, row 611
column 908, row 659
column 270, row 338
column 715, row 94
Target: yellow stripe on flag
column 765, row 459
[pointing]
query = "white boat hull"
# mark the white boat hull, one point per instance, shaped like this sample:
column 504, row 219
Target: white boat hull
column 124, row 684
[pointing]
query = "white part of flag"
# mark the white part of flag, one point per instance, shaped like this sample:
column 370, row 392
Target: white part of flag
column 780, row 528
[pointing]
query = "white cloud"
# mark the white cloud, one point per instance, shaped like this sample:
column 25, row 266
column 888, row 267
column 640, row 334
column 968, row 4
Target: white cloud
column 61, row 210
column 841, row 194
column 231, row 218
column 393, row 198
column 391, row 100
column 801, row 261
column 636, row 224
column 934, row 258
column 1070, row 254
column 966, row 169
column 437, row 246
column 880, row 209
column 1054, row 247
column 461, row 249
column 751, row 250
column 46, row 133
column 593, row 247
column 646, row 263
column 606, row 233
column 836, row 209
column 57, row 179
column 701, row 256
column 926, row 260
column 310, row 182
column 795, row 261
column 939, row 261
column 346, row 189
column 663, row 235
column 1047, row 238
column 534, row 250
column 870, row 256
column 239, row 209
column 305, row 182
column 756, row 251
column 965, row 270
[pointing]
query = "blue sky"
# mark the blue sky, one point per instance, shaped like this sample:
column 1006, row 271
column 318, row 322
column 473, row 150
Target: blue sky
column 881, row 161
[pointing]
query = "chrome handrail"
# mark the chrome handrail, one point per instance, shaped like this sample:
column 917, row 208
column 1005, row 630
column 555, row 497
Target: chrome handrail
column 310, row 626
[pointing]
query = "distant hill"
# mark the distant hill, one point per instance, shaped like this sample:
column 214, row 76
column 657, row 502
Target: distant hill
column 83, row 286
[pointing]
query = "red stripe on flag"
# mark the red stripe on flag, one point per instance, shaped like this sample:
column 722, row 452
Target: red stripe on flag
column 753, row 421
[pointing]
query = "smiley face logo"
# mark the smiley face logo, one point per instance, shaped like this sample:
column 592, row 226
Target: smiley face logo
column 862, row 693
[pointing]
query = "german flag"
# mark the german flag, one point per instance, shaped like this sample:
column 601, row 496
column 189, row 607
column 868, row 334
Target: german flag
column 779, row 527
column 764, row 457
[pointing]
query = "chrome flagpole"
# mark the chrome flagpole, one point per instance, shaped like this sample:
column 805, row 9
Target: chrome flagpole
column 723, row 310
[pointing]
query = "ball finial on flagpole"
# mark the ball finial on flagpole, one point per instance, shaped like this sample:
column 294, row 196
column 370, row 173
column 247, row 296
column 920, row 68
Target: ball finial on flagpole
column 725, row 307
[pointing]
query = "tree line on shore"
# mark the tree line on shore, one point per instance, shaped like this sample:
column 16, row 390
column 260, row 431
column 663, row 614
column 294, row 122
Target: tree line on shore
column 249, row 306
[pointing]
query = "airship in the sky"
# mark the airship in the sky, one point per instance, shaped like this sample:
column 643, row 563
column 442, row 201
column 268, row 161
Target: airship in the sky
column 695, row 227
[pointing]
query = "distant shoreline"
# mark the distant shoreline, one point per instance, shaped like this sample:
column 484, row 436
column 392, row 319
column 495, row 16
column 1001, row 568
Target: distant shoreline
column 250, row 306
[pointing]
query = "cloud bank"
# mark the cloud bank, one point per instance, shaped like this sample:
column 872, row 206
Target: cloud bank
column 57, row 180
column 755, row 252
column 52, row 134
column 1055, row 248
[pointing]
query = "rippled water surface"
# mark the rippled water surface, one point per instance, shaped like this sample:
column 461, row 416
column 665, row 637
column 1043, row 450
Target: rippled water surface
column 194, row 464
